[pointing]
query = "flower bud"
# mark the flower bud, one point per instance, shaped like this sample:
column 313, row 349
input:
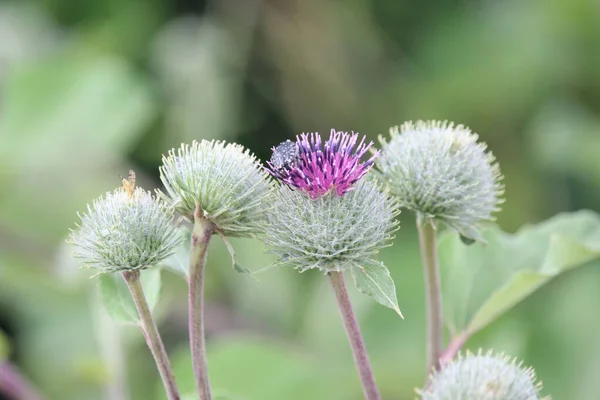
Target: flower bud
column 225, row 180
column 442, row 173
column 128, row 229
column 325, row 216
column 331, row 232
column 483, row 377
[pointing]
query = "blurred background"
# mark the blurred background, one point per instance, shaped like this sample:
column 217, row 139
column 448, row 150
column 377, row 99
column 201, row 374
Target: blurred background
column 92, row 88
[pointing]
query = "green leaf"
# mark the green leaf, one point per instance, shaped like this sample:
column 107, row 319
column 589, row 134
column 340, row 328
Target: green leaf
column 179, row 260
column 151, row 282
column 116, row 298
column 480, row 283
column 269, row 371
column 4, row 347
column 236, row 266
column 375, row 281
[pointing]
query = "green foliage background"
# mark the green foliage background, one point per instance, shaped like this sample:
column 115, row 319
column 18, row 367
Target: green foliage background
column 93, row 88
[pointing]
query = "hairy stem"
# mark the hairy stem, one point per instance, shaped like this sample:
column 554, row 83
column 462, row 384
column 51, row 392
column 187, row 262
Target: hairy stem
column 359, row 351
column 150, row 331
column 201, row 235
column 433, row 293
column 14, row 385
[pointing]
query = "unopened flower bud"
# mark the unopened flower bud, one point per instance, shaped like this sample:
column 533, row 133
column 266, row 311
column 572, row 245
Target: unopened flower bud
column 128, row 229
column 483, row 377
column 224, row 180
column 328, row 216
column 442, row 173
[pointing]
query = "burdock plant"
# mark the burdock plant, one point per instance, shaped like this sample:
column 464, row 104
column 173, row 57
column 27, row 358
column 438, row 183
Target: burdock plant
column 440, row 172
column 327, row 209
column 220, row 188
column 126, row 231
column 483, row 377
column 328, row 216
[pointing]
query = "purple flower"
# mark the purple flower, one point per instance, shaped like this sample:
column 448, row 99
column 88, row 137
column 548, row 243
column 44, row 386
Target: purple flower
column 316, row 169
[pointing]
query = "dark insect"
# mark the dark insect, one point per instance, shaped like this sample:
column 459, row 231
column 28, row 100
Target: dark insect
column 285, row 155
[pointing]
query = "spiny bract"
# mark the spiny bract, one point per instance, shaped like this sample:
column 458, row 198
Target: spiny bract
column 442, row 173
column 332, row 232
column 225, row 180
column 125, row 230
column 483, row 377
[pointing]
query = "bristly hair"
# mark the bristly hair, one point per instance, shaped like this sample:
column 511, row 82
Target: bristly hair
column 443, row 173
column 316, row 168
column 483, row 376
column 224, row 179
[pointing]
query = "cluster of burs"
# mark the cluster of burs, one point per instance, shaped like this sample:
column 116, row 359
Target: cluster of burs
column 329, row 204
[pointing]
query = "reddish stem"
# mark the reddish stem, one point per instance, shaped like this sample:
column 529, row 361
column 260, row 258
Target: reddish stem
column 201, row 235
column 359, row 351
column 433, row 293
column 453, row 348
column 151, row 334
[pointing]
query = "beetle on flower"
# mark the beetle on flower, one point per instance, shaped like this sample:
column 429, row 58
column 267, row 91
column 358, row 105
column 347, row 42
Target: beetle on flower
column 316, row 168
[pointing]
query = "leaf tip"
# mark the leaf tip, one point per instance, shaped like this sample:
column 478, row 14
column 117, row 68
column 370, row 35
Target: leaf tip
column 397, row 309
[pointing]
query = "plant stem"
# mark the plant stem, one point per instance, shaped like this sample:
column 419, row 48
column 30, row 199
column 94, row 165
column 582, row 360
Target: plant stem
column 433, row 293
column 201, row 235
column 150, row 331
column 359, row 351
column 453, row 348
column 14, row 385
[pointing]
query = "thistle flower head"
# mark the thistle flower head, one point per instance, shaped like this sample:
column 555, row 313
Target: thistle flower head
column 225, row 180
column 128, row 229
column 483, row 377
column 316, row 168
column 442, row 173
column 331, row 232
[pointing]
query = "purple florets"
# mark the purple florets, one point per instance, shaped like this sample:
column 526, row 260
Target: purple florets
column 316, row 169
